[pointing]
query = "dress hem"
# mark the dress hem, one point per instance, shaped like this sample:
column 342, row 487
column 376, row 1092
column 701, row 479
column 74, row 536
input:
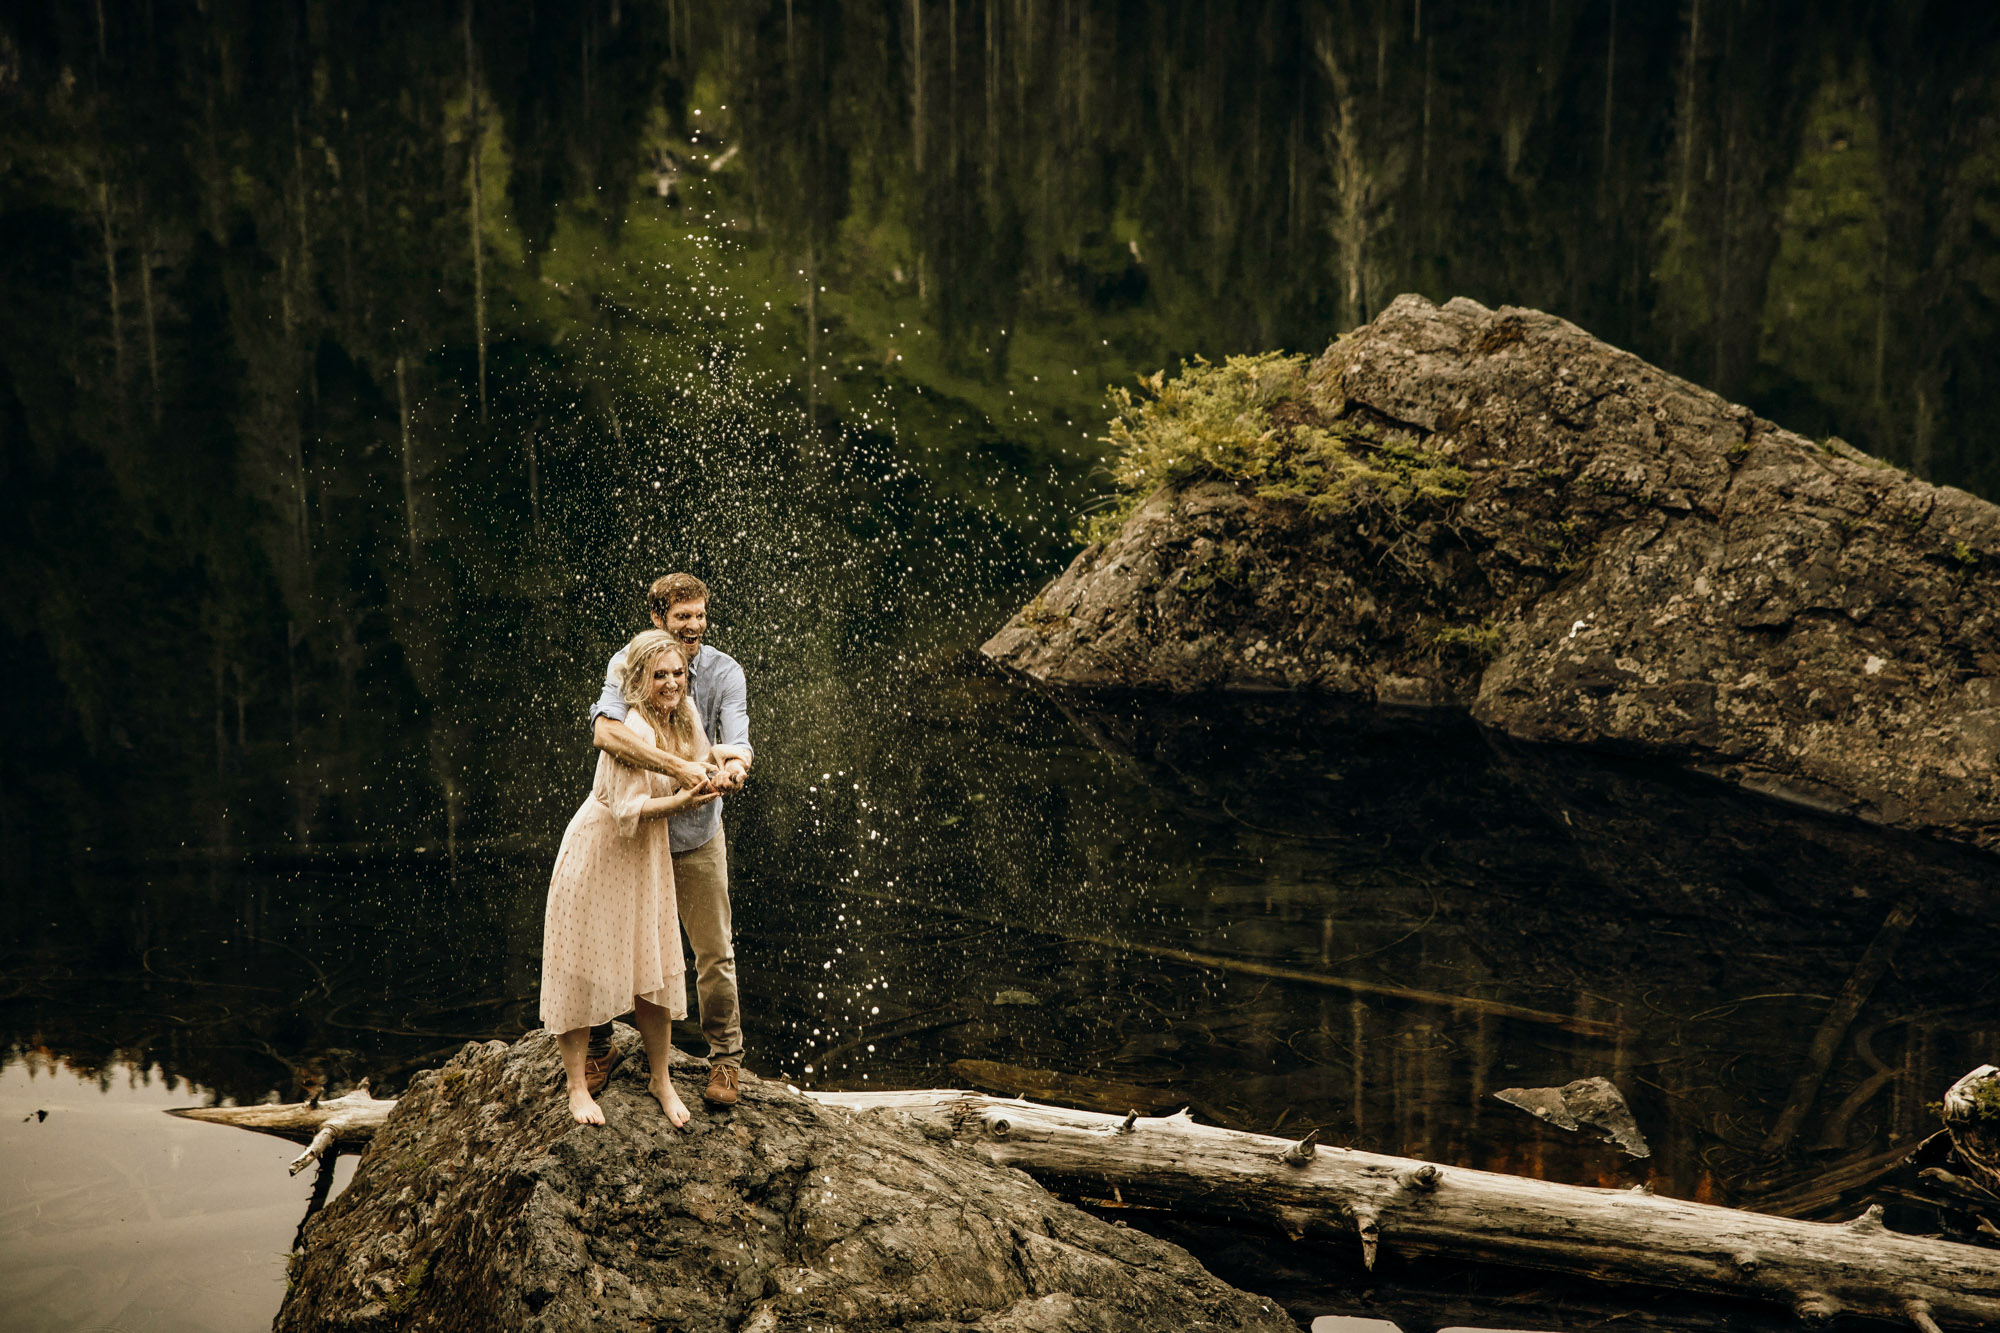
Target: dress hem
column 676, row 984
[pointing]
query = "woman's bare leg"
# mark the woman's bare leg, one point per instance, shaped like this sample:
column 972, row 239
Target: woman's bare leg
column 656, row 1030
column 582, row 1105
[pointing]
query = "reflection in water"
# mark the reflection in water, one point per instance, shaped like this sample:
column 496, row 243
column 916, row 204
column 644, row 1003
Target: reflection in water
column 351, row 388
column 114, row 1216
column 1288, row 917
column 1291, row 918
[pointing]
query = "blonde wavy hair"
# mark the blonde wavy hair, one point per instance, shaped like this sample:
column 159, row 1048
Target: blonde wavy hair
column 678, row 731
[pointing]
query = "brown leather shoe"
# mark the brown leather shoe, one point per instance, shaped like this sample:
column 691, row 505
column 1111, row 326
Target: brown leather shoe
column 722, row 1084
column 597, row 1071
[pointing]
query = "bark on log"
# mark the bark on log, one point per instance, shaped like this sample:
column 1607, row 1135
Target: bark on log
column 1819, row 1269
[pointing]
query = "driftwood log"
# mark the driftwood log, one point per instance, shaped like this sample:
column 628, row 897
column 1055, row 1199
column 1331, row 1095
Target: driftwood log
column 346, row 1122
column 1819, row 1269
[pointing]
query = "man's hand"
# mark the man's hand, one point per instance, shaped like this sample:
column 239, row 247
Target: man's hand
column 731, row 777
column 616, row 739
column 685, row 772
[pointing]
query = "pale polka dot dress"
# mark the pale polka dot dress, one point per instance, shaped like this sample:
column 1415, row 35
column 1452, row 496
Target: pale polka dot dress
column 611, row 931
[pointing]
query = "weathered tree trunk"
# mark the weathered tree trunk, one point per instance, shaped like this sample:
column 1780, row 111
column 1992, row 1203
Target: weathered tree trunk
column 1352, row 186
column 475, row 137
column 917, row 85
column 111, row 284
column 343, row 1122
column 1818, row 1268
column 1610, row 86
column 146, row 305
column 409, row 475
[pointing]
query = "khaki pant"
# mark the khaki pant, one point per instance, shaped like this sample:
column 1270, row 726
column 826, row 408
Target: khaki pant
column 701, row 884
column 701, row 887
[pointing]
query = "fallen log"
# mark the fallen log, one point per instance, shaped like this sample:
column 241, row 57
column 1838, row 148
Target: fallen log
column 344, row 1123
column 1819, row 1269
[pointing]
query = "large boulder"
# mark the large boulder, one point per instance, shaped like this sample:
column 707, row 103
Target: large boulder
column 1630, row 563
column 481, row 1206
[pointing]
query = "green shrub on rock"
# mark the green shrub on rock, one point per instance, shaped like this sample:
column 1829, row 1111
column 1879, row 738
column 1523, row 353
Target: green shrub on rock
column 1251, row 420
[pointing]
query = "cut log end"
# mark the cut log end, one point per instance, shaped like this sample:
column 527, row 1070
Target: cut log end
column 1420, row 1179
column 1815, row 1309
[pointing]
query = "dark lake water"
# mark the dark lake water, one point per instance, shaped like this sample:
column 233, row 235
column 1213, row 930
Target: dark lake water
column 334, row 456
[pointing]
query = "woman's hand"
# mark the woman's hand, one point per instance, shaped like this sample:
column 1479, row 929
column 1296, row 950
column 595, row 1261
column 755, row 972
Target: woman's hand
column 688, row 798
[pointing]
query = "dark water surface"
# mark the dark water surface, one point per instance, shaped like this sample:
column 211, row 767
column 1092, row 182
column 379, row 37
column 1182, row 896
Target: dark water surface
column 334, row 455
column 1450, row 917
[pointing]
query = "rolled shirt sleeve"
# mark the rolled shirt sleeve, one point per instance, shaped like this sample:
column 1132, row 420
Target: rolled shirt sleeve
column 721, row 698
column 611, row 700
column 732, row 722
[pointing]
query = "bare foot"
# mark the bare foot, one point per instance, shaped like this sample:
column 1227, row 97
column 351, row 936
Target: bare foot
column 670, row 1101
column 584, row 1107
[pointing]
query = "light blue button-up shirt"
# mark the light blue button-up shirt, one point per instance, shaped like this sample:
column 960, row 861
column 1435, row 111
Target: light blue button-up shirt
column 721, row 701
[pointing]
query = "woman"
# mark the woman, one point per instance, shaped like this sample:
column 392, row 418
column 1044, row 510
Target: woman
column 611, row 939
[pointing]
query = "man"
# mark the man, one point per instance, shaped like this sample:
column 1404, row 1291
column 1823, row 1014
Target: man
column 678, row 604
